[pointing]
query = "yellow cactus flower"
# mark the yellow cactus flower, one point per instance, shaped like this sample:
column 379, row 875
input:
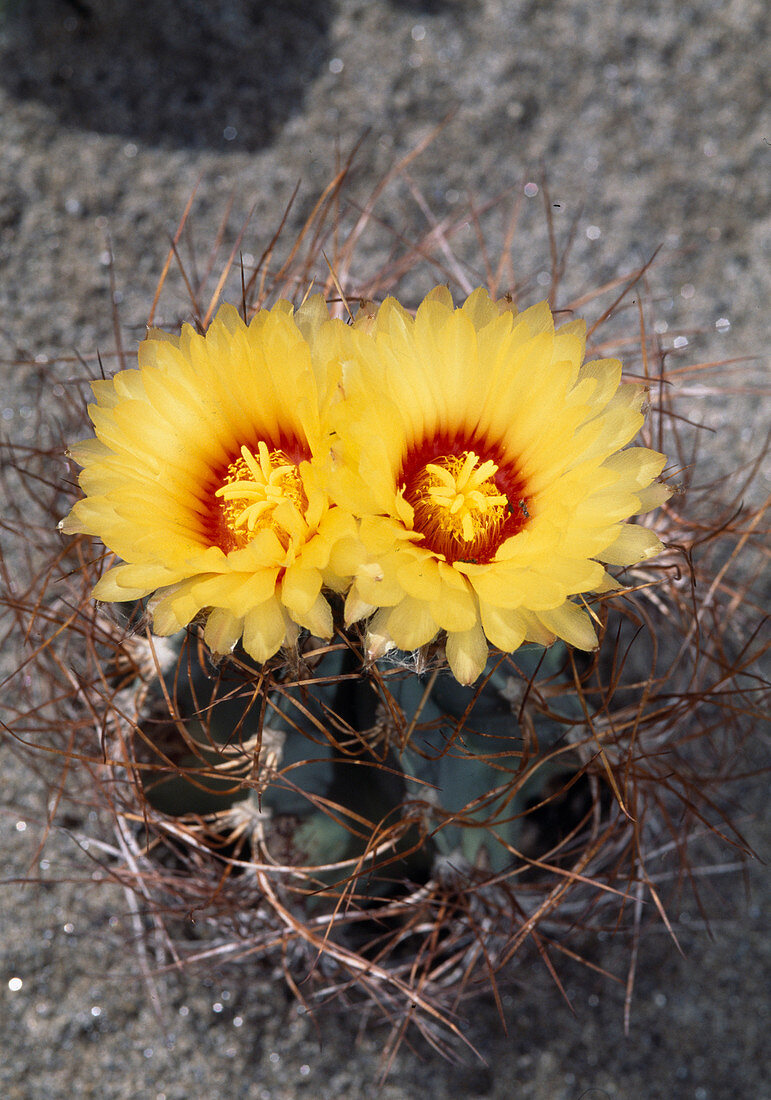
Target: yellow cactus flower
column 485, row 461
column 203, row 477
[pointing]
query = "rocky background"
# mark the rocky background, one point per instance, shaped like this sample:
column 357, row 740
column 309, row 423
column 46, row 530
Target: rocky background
column 649, row 121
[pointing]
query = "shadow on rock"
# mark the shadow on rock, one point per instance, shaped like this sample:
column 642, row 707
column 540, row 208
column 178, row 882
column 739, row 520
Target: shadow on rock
column 183, row 73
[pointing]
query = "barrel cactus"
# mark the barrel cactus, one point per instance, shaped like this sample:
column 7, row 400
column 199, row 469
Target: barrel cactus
column 391, row 665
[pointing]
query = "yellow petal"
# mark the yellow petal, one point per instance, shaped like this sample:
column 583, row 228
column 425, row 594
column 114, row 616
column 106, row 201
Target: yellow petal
column 420, row 578
column 223, row 630
column 379, row 640
column 480, row 308
column 110, row 588
column 606, row 584
column 505, row 629
column 467, row 654
column 317, row 619
column 572, row 574
column 606, row 507
column 633, row 544
column 311, row 316
column 537, row 319
column 88, row 450
column 571, row 624
column 300, row 589
column 411, row 624
column 637, row 466
column 264, row 630
column 455, row 609
column 139, row 579
column 606, row 375
column 536, row 631
column 346, row 556
column 356, row 608
column 511, row 589
column 376, row 583
column 653, row 496
column 160, row 609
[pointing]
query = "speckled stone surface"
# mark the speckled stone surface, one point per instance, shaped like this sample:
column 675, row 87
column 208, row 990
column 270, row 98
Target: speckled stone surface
column 650, row 120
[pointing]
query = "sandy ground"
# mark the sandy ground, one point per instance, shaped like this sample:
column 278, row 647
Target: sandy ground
column 650, row 125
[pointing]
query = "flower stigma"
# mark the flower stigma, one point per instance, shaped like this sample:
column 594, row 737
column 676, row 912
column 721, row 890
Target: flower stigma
column 459, row 507
column 262, row 491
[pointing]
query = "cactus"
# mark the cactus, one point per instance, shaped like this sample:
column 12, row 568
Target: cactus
column 394, row 825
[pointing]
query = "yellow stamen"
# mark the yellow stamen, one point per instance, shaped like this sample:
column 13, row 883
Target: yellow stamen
column 263, row 491
column 458, row 506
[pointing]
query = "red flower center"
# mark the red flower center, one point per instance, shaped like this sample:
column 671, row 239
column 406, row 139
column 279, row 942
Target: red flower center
column 467, row 500
column 261, row 488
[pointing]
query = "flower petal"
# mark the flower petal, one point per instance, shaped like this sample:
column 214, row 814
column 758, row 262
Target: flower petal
column 317, row 619
column 506, row 629
column 411, row 624
column 223, row 630
column 571, row 624
column 264, row 630
column 467, row 654
column 632, row 544
column 300, row 588
column 455, row 609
